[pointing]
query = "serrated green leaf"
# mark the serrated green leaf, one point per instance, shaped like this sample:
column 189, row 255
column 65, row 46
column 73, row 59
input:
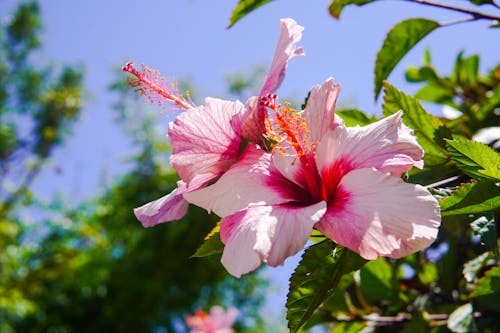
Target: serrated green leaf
column 486, row 231
column 475, row 159
column 462, row 320
column 212, row 244
column 315, row 278
column 471, row 198
column 243, row 8
column 487, row 289
column 337, row 6
column 400, row 39
column 354, row 117
column 429, row 130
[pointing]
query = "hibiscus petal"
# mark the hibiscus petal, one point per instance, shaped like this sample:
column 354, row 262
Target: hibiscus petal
column 206, row 140
column 253, row 123
column 266, row 233
column 170, row 207
column 320, row 110
column 387, row 145
column 376, row 214
column 286, row 50
column 245, row 183
column 223, row 320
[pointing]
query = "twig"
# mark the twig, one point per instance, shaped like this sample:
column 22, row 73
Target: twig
column 475, row 14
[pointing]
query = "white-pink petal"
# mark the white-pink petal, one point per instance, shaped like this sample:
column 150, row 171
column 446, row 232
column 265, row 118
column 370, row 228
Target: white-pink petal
column 170, row 207
column 376, row 214
column 245, row 183
column 320, row 110
column 387, row 145
column 286, row 50
column 266, row 234
column 206, row 140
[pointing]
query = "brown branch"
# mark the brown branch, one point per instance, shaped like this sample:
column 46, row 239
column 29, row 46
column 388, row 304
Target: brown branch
column 475, row 14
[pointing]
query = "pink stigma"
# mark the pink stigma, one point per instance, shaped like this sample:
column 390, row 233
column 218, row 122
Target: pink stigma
column 149, row 83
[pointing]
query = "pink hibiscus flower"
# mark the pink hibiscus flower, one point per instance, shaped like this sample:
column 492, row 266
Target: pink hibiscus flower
column 343, row 181
column 206, row 140
column 217, row 321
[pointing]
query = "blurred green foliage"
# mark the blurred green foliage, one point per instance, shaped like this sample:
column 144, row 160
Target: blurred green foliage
column 94, row 268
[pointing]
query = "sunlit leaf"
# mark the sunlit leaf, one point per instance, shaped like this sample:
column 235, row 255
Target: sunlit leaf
column 475, row 159
column 461, row 320
column 472, row 267
column 243, row 8
column 337, row 6
column 429, row 130
column 400, row 39
column 315, row 278
column 486, row 231
column 474, row 197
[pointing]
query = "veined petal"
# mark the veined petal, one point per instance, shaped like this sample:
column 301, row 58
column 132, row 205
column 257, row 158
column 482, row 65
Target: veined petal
column 387, row 145
column 253, row 123
column 266, row 233
column 206, row 140
column 376, row 214
column 170, row 207
column 286, row 50
column 245, row 183
column 320, row 110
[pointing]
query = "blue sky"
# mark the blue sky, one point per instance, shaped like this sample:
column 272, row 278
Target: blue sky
column 189, row 39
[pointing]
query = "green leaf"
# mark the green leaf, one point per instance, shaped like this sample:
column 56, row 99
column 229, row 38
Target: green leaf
column 243, row 8
column 475, row 159
column 353, row 327
column 490, row 105
column 337, row 6
column 354, row 117
column 472, row 267
column 482, row 2
column 428, row 273
column 378, row 282
column 474, row 197
column 435, row 93
column 486, row 231
column 418, row 323
column 212, row 244
column 429, row 130
column 462, row 319
column 487, row 289
column 315, row 278
column 399, row 41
